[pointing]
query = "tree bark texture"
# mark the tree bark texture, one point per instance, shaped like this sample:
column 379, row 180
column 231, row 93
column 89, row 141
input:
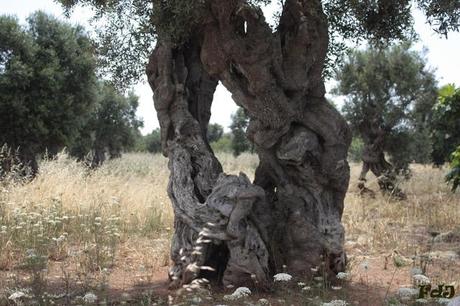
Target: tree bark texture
column 291, row 214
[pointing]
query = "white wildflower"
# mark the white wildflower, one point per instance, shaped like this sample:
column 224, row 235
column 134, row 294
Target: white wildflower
column 90, row 297
column 239, row 293
column 336, row 287
column 263, row 302
column 420, row 279
column 282, row 277
column 242, row 291
column 59, row 239
column 17, row 295
column 306, row 288
column 229, row 297
column 407, row 293
column 335, row 303
column 301, row 284
column 196, row 300
column 342, row 275
column 314, row 270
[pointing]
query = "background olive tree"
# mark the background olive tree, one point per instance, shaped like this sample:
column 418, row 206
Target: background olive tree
column 47, row 84
column 110, row 128
column 389, row 94
column 239, row 124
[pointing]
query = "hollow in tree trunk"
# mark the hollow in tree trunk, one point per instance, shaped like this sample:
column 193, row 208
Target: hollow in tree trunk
column 226, row 227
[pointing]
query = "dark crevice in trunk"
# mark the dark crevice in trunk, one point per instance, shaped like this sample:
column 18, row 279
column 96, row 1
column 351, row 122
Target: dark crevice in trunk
column 217, row 260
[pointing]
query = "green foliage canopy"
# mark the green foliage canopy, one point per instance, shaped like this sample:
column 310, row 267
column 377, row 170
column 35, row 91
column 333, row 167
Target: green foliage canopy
column 112, row 127
column 215, row 132
column 240, row 122
column 224, row 144
column 130, row 27
column 355, row 151
column 445, row 127
column 453, row 176
column 152, row 141
column 394, row 89
column 47, row 77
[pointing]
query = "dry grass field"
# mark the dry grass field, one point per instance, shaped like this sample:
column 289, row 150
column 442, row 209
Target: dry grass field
column 79, row 237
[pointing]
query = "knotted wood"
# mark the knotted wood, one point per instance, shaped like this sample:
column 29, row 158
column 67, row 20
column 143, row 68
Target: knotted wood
column 291, row 214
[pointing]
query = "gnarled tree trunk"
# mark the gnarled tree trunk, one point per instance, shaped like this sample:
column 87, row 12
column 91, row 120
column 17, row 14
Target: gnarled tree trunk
column 291, row 214
column 374, row 159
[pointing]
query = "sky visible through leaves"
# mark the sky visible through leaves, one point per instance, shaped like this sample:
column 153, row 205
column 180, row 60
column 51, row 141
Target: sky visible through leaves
column 442, row 54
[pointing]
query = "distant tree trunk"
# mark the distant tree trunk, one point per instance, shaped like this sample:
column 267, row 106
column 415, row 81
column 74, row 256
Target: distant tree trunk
column 98, row 156
column 29, row 162
column 19, row 161
column 114, row 153
column 291, row 214
column 373, row 135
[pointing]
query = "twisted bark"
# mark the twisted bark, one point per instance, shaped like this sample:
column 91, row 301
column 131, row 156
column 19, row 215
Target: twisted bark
column 291, row 214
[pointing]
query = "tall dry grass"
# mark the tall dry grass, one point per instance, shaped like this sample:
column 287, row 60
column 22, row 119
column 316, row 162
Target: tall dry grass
column 125, row 198
column 133, row 189
column 119, row 216
column 384, row 223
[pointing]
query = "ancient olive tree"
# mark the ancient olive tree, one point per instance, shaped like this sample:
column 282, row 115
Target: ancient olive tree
column 110, row 128
column 47, row 77
column 389, row 95
column 291, row 213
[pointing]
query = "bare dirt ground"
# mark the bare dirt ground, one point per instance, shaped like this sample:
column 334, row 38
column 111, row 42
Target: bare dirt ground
column 374, row 278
